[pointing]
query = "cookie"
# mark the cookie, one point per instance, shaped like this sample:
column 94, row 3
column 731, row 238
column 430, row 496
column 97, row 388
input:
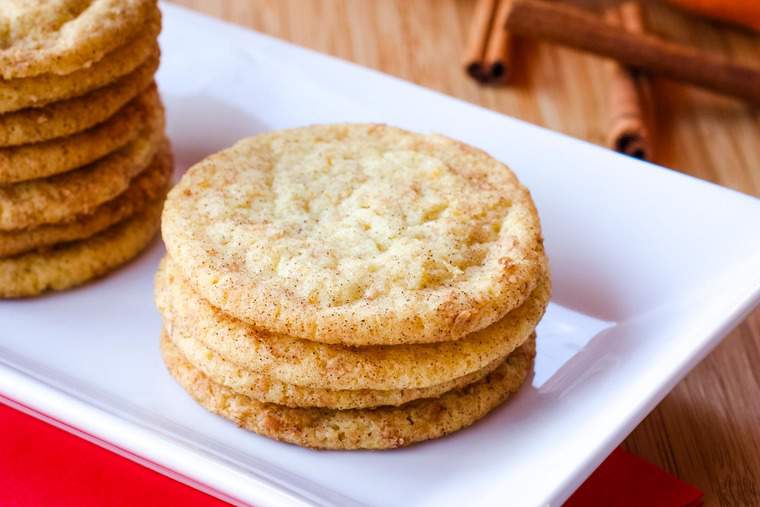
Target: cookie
column 379, row 428
column 74, row 115
column 62, row 36
column 64, row 196
column 71, row 264
column 39, row 160
column 263, row 388
column 356, row 234
column 146, row 187
column 35, row 91
column 336, row 367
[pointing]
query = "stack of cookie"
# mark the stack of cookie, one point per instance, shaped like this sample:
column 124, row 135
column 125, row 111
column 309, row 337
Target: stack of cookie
column 351, row 286
column 84, row 162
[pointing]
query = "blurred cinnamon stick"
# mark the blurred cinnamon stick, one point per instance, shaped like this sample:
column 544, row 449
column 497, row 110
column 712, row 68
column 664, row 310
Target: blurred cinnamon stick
column 480, row 28
column 488, row 49
column 499, row 49
column 629, row 132
column 575, row 27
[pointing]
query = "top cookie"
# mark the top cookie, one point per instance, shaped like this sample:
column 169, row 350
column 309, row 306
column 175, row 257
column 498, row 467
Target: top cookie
column 356, row 234
column 61, row 36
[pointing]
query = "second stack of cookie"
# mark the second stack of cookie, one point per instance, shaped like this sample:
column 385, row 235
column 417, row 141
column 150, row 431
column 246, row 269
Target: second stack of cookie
column 84, row 162
column 351, row 286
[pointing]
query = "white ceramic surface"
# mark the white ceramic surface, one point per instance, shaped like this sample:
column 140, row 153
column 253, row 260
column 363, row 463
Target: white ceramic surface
column 651, row 269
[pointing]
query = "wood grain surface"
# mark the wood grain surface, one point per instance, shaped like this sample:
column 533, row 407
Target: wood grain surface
column 707, row 431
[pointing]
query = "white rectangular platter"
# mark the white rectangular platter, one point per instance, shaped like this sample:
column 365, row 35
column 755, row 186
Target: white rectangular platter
column 650, row 268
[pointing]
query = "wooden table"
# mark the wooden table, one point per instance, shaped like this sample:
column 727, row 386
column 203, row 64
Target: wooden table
column 707, row 431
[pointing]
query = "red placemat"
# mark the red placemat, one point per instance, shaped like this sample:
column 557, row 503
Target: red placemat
column 41, row 465
column 625, row 480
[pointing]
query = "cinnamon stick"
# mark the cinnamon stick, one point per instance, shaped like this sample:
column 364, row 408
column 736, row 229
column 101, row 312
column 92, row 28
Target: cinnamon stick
column 480, row 29
column 628, row 132
column 572, row 26
column 498, row 52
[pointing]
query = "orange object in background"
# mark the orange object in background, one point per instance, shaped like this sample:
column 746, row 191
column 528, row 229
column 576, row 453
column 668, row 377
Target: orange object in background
column 744, row 12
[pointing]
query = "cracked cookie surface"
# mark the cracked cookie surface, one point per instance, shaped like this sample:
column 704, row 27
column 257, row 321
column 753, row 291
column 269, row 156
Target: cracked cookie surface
column 356, row 234
column 62, row 36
